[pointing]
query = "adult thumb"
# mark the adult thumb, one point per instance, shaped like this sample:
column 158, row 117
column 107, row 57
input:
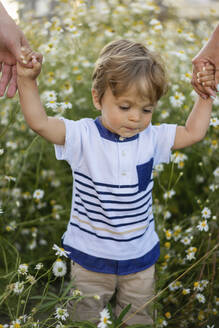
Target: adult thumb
column 18, row 43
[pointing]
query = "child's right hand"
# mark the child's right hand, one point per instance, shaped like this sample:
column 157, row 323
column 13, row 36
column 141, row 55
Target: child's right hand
column 27, row 57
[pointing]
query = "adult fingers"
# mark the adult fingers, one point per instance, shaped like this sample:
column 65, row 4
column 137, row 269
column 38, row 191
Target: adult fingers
column 204, row 90
column 5, row 78
column 209, row 84
column 18, row 43
column 217, row 79
column 12, row 87
column 196, row 85
column 210, row 76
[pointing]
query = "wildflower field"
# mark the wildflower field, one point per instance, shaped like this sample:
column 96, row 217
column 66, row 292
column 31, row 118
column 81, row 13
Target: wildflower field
column 36, row 190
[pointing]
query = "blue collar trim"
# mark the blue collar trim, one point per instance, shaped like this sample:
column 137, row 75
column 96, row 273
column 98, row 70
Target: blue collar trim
column 106, row 134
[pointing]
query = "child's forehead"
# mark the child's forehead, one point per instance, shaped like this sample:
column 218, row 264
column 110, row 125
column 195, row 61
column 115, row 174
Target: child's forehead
column 132, row 95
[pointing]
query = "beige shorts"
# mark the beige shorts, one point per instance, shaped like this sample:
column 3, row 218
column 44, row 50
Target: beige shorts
column 135, row 289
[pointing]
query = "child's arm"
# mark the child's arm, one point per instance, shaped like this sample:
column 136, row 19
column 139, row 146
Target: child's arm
column 50, row 128
column 198, row 121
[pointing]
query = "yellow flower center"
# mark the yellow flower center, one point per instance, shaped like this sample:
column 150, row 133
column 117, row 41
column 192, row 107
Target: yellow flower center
column 17, row 325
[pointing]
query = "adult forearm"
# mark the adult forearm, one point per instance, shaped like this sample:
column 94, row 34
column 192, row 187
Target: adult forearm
column 4, row 16
column 31, row 106
column 210, row 49
column 3, row 12
column 198, row 121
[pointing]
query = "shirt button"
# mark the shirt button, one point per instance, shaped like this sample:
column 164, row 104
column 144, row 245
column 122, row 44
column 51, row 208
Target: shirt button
column 123, row 153
column 123, row 173
column 121, row 138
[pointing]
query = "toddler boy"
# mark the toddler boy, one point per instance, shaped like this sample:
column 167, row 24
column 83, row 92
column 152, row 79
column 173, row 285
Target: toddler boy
column 110, row 236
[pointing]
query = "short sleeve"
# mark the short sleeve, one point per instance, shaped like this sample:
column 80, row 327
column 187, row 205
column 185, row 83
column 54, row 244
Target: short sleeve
column 165, row 136
column 71, row 150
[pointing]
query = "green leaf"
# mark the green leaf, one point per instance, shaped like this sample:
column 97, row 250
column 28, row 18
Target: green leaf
column 67, row 289
column 122, row 314
column 47, row 305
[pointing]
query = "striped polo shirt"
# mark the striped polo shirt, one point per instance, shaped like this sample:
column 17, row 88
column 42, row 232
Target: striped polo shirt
column 111, row 226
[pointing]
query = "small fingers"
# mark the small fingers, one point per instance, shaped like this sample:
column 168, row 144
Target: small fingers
column 26, row 55
column 199, row 89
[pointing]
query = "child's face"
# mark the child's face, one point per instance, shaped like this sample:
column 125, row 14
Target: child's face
column 125, row 115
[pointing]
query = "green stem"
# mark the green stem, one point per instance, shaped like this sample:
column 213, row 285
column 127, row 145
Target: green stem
column 206, row 255
column 5, row 260
column 171, row 176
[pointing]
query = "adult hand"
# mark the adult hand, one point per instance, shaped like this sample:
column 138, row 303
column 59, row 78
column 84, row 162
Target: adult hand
column 11, row 41
column 202, row 90
column 209, row 54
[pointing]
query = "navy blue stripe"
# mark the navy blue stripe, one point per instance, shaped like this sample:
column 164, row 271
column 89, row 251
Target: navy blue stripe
column 112, row 217
column 110, row 209
column 106, row 192
column 108, row 238
column 109, row 224
column 105, row 184
column 113, row 201
column 118, row 267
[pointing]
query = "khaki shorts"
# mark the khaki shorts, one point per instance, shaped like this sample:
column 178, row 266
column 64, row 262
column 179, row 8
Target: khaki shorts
column 135, row 289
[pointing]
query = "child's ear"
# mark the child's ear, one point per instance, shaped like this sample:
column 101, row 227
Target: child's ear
column 95, row 98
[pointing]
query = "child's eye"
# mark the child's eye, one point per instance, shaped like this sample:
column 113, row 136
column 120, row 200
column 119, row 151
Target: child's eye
column 147, row 110
column 124, row 107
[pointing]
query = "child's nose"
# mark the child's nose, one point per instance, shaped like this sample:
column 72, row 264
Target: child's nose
column 134, row 115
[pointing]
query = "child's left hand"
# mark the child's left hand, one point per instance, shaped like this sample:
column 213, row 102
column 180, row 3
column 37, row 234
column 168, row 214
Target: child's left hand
column 207, row 76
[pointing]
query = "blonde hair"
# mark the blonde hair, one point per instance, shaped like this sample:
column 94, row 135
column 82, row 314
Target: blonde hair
column 122, row 64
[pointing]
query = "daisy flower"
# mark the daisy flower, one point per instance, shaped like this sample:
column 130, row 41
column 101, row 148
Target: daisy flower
column 186, row 240
column 203, row 225
column 59, row 268
column 49, row 95
column 65, row 105
column 186, row 291
column 39, row 266
column 200, row 298
column 177, row 100
column 61, row 314
column 206, row 213
column 214, row 121
column 169, row 194
column 191, row 253
column 15, row 324
column 60, row 251
column 51, row 104
column 18, row 287
column 38, row 194
column 216, row 172
column 76, row 293
column 104, row 319
column 23, row 269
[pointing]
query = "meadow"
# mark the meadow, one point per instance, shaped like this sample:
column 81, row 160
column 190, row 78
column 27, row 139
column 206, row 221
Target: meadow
column 36, row 190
